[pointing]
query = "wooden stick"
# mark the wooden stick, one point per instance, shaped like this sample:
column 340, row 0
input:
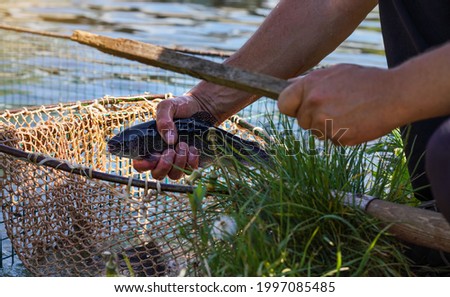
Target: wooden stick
column 415, row 225
column 31, row 31
column 411, row 224
column 255, row 83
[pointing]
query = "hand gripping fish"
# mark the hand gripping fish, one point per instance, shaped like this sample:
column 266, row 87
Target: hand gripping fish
column 143, row 141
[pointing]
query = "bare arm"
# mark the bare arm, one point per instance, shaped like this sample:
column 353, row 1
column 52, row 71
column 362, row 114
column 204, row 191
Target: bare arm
column 352, row 104
column 296, row 35
column 423, row 86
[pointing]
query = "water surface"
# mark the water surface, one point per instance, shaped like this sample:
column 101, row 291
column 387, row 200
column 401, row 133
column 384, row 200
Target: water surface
column 36, row 70
column 219, row 24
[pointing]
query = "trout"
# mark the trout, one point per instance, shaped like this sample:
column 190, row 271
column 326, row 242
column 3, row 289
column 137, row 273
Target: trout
column 143, row 141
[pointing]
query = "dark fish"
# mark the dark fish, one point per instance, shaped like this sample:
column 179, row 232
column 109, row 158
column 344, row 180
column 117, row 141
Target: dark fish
column 142, row 141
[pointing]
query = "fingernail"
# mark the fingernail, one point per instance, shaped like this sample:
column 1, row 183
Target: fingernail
column 170, row 137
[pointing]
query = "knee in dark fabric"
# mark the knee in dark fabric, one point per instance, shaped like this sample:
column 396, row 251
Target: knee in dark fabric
column 438, row 167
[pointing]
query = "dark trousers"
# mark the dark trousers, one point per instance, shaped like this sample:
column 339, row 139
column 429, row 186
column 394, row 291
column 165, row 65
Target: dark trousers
column 427, row 146
column 437, row 166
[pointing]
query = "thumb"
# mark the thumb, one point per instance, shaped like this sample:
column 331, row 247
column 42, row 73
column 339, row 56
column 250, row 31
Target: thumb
column 291, row 98
column 165, row 111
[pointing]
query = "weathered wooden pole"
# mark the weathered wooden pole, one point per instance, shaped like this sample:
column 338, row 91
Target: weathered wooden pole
column 411, row 224
column 165, row 58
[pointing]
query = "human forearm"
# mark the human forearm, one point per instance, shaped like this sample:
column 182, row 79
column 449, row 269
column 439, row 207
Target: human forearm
column 423, row 87
column 298, row 34
column 294, row 37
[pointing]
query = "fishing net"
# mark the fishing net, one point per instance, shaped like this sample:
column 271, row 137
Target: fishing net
column 59, row 220
column 69, row 206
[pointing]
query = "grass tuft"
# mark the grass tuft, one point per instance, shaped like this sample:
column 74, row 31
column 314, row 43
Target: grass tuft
column 288, row 221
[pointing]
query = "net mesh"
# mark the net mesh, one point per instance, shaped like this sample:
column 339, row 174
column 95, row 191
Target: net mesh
column 36, row 70
column 60, row 223
column 41, row 70
column 45, row 70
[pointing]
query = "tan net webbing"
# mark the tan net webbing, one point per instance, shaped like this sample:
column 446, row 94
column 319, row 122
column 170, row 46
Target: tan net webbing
column 61, row 223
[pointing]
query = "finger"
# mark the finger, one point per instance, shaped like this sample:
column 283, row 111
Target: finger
column 318, row 128
column 291, row 98
column 339, row 137
column 146, row 164
column 164, row 165
column 193, row 159
column 180, row 161
column 165, row 112
column 304, row 119
column 318, row 134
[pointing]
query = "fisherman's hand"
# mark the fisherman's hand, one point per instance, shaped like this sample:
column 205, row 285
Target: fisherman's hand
column 347, row 104
column 172, row 161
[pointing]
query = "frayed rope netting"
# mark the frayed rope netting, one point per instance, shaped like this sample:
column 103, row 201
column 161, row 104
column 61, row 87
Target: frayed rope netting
column 67, row 203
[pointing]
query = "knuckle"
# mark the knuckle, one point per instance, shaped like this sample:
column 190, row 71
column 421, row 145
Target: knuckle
column 321, row 119
column 315, row 99
column 193, row 151
column 163, row 110
column 164, row 104
column 164, row 124
column 283, row 100
column 169, row 155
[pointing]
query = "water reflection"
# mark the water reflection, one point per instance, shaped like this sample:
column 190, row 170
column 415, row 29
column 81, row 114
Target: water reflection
column 200, row 24
column 51, row 71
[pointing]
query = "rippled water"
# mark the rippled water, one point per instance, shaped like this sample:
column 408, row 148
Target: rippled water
column 206, row 25
column 37, row 71
column 214, row 24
